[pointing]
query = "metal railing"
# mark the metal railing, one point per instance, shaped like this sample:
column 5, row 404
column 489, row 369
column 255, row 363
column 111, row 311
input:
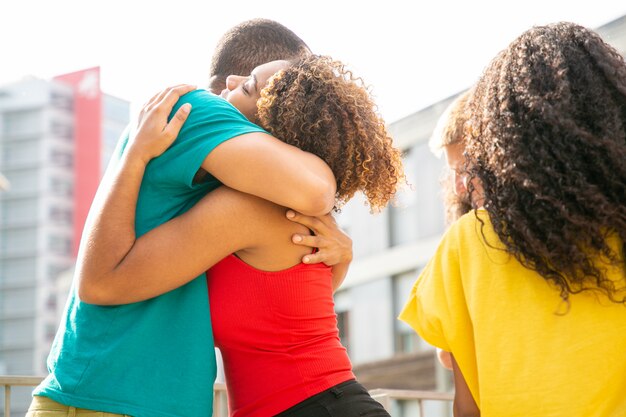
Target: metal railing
column 220, row 407
column 16, row 381
column 385, row 396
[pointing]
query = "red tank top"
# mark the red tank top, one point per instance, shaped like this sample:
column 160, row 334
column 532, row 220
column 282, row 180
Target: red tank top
column 277, row 332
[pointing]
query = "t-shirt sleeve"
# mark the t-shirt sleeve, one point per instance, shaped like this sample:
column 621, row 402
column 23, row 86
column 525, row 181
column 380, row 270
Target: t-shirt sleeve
column 436, row 308
column 211, row 122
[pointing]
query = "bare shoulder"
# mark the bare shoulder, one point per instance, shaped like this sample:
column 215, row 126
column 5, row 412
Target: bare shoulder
column 267, row 224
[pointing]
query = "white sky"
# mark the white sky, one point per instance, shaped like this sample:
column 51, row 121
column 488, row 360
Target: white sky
column 412, row 53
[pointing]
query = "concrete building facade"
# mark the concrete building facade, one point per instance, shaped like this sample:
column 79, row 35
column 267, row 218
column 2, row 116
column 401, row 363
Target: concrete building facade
column 38, row 223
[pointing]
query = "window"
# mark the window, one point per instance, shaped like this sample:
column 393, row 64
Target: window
column 61, row 158
column 430, row 211
column 61, row 100
column 23, row 180
column 62, row 130
column 405, row 338
column 17, row 241
column 20, row 210
column 60, row 215
column 61, row 187
column 50, row 331
column 51, row 302
column 420, row 212
column 18, row 301
column 20, row 152
column 20, row 270
column 55, row 270
column 18, row 332
column 17, row 361
column 22, row 123
column 343, row 324
column 60, row 245
column 403, row 216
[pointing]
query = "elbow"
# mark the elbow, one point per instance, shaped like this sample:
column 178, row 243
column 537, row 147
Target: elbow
column 320, row 200
column 91, row 293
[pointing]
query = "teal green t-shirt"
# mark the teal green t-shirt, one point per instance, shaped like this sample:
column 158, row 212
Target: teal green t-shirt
column 154, row 358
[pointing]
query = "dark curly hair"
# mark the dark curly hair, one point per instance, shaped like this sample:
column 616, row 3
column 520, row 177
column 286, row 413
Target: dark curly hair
column 318, row 106
column 547, row 142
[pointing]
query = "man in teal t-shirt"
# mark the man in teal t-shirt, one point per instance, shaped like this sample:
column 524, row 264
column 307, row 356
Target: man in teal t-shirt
column 156, row 358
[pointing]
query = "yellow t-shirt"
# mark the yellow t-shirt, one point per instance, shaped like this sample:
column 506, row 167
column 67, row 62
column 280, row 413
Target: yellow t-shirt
column 519, row 350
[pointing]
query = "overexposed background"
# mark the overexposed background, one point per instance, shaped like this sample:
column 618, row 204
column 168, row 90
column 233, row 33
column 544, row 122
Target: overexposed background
column 412, row 53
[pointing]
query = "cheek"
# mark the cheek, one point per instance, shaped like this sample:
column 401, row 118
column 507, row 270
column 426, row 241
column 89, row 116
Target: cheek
column 232, row 98
column 249, row 110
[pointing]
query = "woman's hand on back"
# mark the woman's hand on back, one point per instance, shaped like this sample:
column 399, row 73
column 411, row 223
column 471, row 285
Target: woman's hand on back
column 333, row 244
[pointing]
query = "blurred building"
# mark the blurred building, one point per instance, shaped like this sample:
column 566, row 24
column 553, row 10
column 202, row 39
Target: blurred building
column 4, row 183
column 55, row 139
column 390, row 249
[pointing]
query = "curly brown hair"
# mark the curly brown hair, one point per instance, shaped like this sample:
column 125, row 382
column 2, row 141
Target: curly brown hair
column 318, row 106
column 450, row 127
column 547, row 142
column 449, row 131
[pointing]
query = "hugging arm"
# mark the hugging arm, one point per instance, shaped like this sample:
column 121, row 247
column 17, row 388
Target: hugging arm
column 174, row 253
column 261, row 165
column 113, row 266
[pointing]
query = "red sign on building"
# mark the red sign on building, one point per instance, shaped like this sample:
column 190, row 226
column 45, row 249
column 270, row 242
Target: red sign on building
column 87, row 143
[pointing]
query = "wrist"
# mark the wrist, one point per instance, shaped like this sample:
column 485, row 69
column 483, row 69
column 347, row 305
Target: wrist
column 136, row 156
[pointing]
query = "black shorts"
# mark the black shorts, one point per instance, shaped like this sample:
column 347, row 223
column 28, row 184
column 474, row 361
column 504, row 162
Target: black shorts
column 348, row 399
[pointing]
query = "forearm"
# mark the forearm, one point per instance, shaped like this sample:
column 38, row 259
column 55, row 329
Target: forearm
column 309, row 189
column 109, row 232
column 304, row 184
column 274, row 171
column 464, row 404
column 178, row 251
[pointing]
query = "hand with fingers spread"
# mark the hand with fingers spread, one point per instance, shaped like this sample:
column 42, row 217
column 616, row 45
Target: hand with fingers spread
column 332, row 244
column 334, row 247
column 153, row 133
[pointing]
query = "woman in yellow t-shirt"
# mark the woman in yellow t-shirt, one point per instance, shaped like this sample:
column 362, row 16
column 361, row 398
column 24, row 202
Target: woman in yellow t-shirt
column 528, row 292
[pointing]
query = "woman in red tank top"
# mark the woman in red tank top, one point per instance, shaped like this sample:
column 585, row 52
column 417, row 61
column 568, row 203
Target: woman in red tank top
column 271, row 301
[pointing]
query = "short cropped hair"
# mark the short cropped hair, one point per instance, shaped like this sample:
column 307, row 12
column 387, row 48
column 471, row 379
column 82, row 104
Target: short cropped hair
column 250, row 44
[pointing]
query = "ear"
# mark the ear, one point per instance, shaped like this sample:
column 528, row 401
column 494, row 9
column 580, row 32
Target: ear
column 217, row 83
